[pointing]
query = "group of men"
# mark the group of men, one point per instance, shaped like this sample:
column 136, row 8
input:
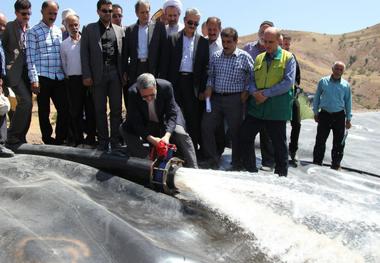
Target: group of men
column 178, row 86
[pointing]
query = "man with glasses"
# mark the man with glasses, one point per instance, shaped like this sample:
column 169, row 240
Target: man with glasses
column 14, row 43
column 188, row 62
column 154, row 116
column 117, row 15
column 145, row 47
column 101, row 49
column 46, row 73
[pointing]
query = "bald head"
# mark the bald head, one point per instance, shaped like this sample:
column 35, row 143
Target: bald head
column 3, row 22
column 49, row 12
column 271, row 39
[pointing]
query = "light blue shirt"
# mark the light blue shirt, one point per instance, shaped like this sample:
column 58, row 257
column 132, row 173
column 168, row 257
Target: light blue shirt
column 187, row 54
column 2, row 61
column 43, row 52
column 285, row 84
column 142, row 50
column 333, row 96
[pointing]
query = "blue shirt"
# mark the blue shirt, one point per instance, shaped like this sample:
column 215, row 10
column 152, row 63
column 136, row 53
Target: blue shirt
column 43, row 52
column 229, row 74
column 254, row 49
column 333, row 96
column 2, row 61
column 285, row 84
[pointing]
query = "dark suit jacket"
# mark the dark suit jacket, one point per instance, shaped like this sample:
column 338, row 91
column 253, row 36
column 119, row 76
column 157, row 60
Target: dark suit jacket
column 157, row 51
column 15, row 57
column 200, row 63
column 167, row 110
column 91, row 52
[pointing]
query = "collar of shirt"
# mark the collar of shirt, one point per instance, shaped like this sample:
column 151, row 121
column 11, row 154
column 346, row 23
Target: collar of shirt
column 258, row 46
column 42, row 24
column 335, row 80
column 235, row 53
column 102, row 26
column 276, row 55
column 21, row 27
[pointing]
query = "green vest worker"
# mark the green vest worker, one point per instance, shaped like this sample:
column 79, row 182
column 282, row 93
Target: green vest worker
column 270, row 103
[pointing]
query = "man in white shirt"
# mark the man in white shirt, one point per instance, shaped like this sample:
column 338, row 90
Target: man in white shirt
column 79, row 97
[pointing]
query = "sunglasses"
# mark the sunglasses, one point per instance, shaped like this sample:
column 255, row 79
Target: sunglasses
column 106, row 11
column 192, row 23
column 26, row 13
column 117, row 16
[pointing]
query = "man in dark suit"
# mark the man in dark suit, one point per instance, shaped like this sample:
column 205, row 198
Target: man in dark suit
column 145, row 46
column 188, row 62
column 101, row 49
column 154, row 116
column 14, row 43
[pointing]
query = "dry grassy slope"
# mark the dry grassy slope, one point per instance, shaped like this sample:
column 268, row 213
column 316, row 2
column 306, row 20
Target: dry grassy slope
column 360, row 51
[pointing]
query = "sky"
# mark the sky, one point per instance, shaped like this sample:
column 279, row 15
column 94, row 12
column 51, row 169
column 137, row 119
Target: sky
column 321, row 16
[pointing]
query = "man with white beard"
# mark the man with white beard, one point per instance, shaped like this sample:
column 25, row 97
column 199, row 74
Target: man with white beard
column 172, row 12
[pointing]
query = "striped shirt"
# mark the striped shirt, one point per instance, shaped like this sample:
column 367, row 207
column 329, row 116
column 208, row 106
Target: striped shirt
column 230, row 74
column 2, row 61
column 43, row 52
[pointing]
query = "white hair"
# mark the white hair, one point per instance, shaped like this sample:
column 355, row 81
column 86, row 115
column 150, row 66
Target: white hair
column 339, row 63
column 192, row 11
column 145, row 81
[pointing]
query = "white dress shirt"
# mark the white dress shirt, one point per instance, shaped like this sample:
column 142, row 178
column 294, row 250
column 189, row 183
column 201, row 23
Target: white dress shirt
column 215, row 46
column 70, row 56
column 142, row 50
column 187, row 54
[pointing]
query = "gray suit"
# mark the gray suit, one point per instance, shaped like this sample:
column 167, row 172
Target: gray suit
column 17, row 79
column 91, row 52
column 107, row 81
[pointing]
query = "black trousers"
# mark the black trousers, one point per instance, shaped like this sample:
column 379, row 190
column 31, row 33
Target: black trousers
column 277, row 133
column 296, row 128
column 189, row 104
column 109, row 88
column 56, row 91
column 80, row 101
column 337, row 123
column 22, row 116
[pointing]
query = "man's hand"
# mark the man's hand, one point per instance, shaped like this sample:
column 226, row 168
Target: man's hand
column 316, row 118
column 88, row 82
column 201, row 96
column 259, row 97
column 208, row 92
column 153, row 140
column 244, row 96
column 35, row 87
column 348, row 124
column 1, row 86
column 125, row 77
column 166, row 138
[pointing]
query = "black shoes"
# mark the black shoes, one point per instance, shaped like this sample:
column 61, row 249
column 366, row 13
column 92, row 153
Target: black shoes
column 293, row 160
column 5, row 153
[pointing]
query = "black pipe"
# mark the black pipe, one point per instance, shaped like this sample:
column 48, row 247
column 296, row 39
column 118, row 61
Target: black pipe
column 134, row 169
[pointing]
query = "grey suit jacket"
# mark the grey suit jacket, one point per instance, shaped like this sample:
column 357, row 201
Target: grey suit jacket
column 15, row 57
column 91, row 52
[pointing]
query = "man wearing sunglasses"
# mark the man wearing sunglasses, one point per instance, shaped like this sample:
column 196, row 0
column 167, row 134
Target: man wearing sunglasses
column 14, row 43
column 117, row 15
column 188, row 62
column 154, row 116
column 101, row 49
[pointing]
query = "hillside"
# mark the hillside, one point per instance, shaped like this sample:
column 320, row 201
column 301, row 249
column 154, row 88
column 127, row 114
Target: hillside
column 360, row 50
